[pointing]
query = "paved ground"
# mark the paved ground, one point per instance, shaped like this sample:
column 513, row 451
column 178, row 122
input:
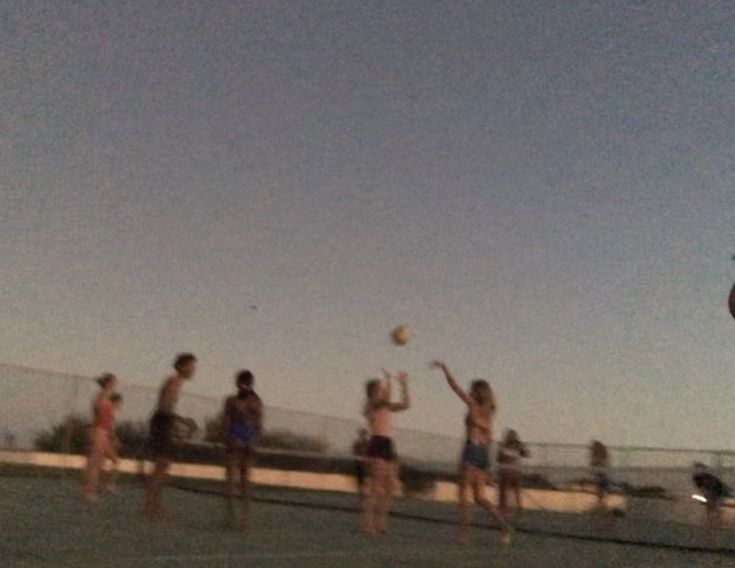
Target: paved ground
column 45, row 524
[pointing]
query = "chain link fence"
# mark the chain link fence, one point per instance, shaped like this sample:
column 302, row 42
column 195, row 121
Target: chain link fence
column 35, row 401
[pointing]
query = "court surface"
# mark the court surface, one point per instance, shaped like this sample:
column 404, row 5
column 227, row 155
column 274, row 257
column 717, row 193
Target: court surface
column 44, row 523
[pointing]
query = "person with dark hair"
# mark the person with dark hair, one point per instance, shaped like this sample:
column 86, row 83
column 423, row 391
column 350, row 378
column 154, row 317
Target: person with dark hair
column 599, row 465
column 162, row 426
column 101, row 434
column 382, row 459
column 510, row 453
column 242, row 425
column 474, row 473
column 714, row 492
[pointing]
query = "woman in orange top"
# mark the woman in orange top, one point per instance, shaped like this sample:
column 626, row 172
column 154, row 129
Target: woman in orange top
column 101, row 442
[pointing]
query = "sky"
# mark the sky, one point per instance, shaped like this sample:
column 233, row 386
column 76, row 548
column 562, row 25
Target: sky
column 543, row 191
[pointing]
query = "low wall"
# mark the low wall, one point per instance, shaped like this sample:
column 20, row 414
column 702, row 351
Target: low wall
column 259, row 476
column 444, row 491
column 536, row 499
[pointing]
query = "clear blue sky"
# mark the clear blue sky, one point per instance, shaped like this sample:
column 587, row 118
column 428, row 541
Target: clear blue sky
column 544, row 191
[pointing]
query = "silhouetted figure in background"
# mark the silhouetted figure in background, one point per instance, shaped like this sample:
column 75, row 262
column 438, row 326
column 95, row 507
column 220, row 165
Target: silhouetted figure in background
column 510, row 453
column 599, row 467
column 714, row 491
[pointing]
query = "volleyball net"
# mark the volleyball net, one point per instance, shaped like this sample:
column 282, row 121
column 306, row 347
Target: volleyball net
column 651, row 488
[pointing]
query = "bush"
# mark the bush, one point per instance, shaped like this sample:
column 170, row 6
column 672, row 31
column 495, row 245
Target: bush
column 213, row 430
column 214, row 454
column 647, row 491
column 70, row 436
column 133, row 439
column 417, row 481
column 628, row 489
column 536, row 481
column 276, row 439
column 285, row 440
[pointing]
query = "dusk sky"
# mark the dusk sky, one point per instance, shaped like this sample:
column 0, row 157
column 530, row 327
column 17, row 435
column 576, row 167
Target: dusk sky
column 544, row 191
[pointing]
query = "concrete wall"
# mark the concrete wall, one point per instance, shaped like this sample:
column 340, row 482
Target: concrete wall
column 261, row 476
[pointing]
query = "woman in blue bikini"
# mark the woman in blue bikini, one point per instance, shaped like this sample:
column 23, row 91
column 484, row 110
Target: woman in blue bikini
column 242, row 425
column 473, row 472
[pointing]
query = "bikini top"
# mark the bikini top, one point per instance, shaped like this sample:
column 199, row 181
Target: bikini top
column 244, row 416
column 105, row 415
column 470, row 422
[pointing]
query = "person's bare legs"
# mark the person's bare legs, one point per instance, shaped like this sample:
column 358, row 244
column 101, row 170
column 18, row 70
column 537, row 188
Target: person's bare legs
column 245, row 490
column 509, row 486
column 385, row 500
column 465, row 510
column 372, row 486
column 95, row 458
column 479, row 481
column 362, row 487
column 503, row 483
column 231, row 467
column 603, row 519
column 238, row 489
column 153, row 506
column 519, row 500
column 112, row 474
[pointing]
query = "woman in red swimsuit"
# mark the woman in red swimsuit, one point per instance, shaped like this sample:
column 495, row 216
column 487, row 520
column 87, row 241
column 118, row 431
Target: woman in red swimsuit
column 101, row 443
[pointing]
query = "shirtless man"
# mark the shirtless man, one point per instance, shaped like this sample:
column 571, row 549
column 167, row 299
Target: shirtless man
column 381, row 453
column 162, row 426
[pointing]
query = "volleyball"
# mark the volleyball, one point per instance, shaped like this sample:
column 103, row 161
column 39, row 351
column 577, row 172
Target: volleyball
column 401, row 335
